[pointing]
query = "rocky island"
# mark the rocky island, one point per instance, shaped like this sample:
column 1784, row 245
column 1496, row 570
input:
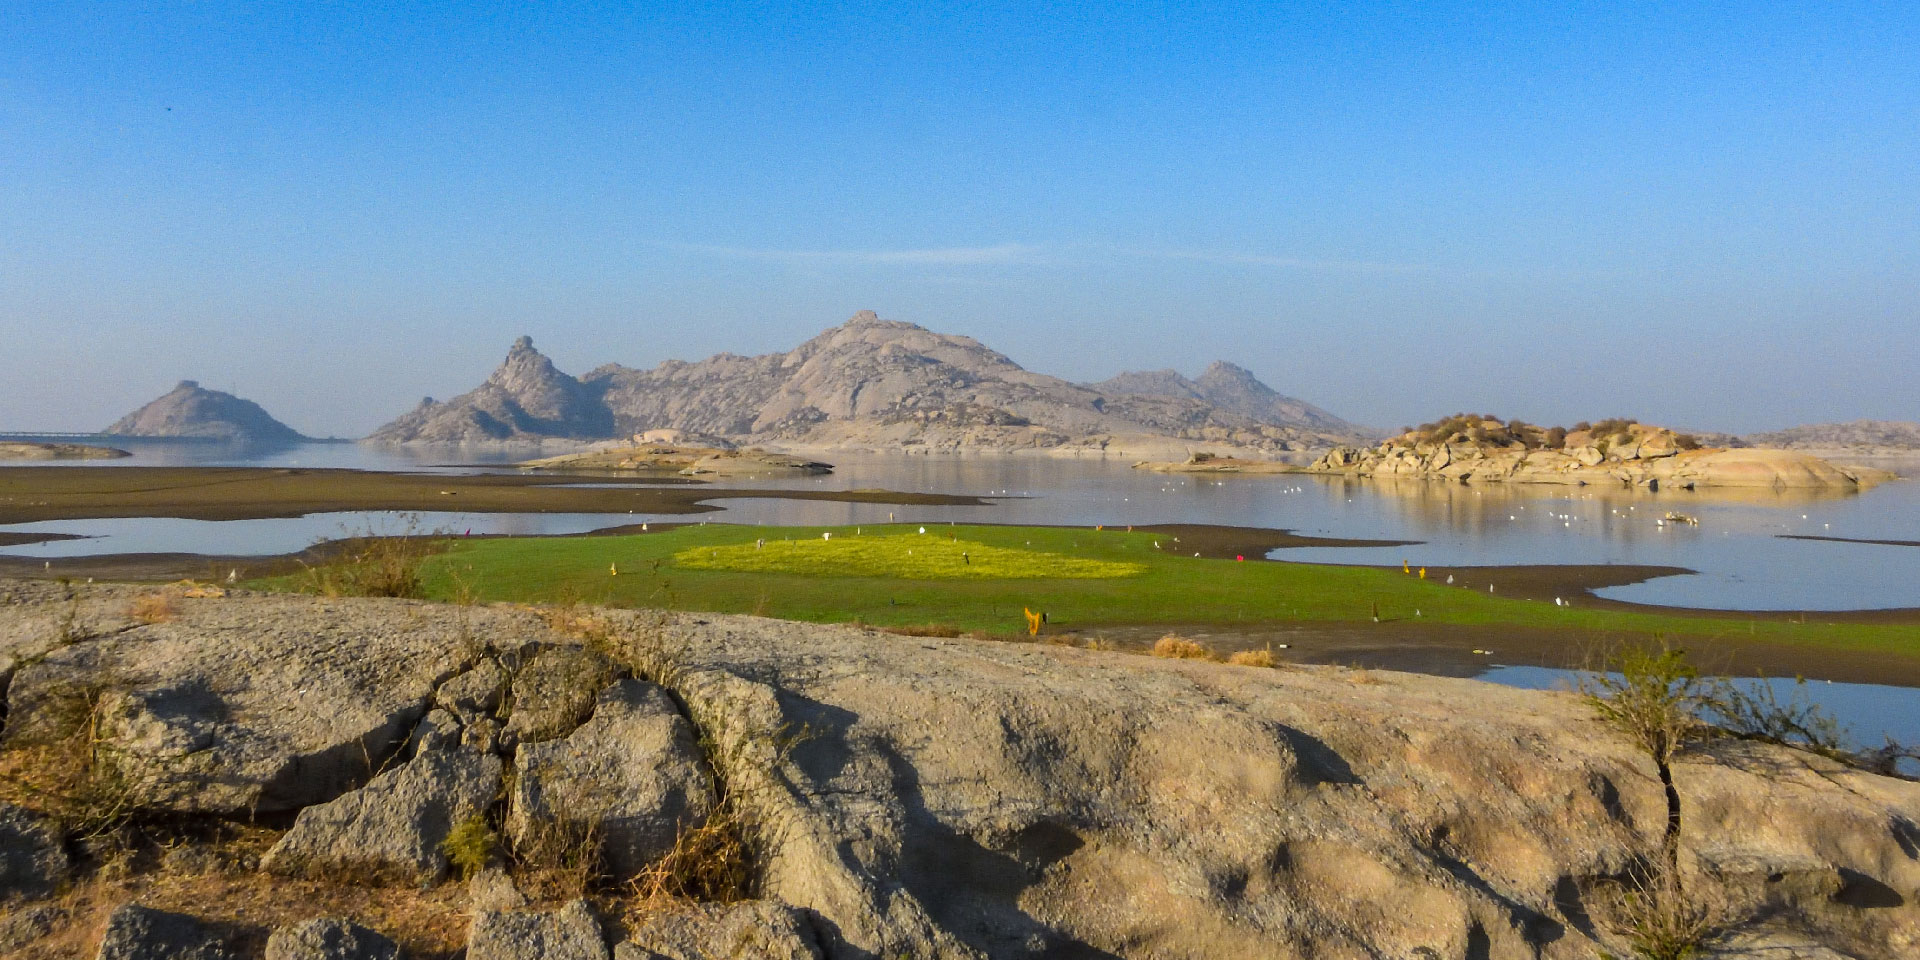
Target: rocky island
column 685, row 460
column 12, row 450
column 192, row 411
column 208, row 773
column 1472, row 448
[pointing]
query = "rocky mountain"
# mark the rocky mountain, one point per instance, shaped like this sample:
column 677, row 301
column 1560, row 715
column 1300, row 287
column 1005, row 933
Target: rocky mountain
column 190, row 410
column 1857, row 435
column 526, row 398
column 869, row 382
column 1231, row 388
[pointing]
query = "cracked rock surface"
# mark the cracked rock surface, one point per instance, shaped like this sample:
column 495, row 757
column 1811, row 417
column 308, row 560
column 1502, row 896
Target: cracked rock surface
column 935, row 798
column 633, row 767
column 394, row 826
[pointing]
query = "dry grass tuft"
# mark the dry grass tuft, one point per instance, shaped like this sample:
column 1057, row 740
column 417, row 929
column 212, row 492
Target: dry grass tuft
column 560, row 859
column 1174, row 647
column 372, row 565
column 1254, row 658
column 708, row 863
column 70, row 771
column 151, row 608
column 1660, row 919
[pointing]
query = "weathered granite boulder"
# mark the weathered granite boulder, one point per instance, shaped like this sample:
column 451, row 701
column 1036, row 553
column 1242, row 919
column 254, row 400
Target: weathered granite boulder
column 762, row 929
column 393, row 827
column 135, row 932
column 33, row 855
column 235, row 710
column 957, row 798
column 634, row 768
column 475, row 693
column 569, row 933
column 554, row 691
column 329, row 939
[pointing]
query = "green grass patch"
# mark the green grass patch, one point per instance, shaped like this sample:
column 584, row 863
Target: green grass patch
column 694, row 568
column 906, row 556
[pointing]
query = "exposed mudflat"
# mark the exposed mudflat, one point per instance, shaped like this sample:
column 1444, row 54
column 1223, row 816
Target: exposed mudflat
column 30, row 494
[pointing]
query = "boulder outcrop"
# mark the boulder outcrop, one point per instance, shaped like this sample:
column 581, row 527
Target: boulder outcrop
column 960, row 798
column 633, row 768
column 1637, row 455
column 394, row 827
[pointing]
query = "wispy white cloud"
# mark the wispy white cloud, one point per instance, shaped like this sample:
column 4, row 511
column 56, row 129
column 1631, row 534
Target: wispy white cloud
column 1071, row 255
column 1005, row 253
column 1236, row 258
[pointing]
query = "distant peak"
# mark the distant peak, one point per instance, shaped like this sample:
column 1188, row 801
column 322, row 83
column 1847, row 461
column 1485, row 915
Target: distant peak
column 1229, row 369
column 864, row 316
column 188, row 385
column 524, row 343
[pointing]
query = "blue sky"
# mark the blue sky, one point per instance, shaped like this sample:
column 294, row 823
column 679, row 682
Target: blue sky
column 1700, row 214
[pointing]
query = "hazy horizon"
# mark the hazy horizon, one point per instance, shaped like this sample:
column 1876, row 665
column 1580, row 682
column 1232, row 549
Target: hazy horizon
column 1698, row 218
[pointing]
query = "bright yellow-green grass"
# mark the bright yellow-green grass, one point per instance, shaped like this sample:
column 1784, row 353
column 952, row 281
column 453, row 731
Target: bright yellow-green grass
column 906, row 556
column 677, row 569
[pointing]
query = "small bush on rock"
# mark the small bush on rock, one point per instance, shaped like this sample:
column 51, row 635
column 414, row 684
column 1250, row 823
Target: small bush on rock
column 470, row 845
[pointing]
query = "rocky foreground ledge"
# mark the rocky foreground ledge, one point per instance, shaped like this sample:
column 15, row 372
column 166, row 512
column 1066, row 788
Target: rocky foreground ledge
column 898, row 797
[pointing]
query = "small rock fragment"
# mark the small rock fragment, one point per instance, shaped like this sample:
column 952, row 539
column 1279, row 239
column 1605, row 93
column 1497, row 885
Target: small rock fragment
column 135, row 932
column 763, row 929
column 569, row 933
column 492, row 889
column 329, row 939
column 33, row 860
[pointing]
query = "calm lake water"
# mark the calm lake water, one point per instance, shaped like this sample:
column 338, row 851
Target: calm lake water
column 1868, row 714
column 1742, row 560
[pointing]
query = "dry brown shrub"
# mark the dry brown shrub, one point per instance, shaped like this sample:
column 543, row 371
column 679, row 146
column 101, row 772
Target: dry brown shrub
column 151, row 608
column 1660, row 918
column 1253, row 658
column 708, row 863
column 560, row 858
column 1361, row 675
column 70, row 770
column 1174, row 647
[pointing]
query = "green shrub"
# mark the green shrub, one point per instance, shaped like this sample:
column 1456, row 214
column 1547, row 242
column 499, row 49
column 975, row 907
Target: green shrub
column 470, row 845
